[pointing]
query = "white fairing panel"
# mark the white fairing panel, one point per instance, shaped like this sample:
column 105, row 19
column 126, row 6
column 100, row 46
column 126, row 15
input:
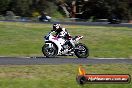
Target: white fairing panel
column 58, row 41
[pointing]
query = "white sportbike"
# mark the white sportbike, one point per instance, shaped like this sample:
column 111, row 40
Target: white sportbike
column 57, row 46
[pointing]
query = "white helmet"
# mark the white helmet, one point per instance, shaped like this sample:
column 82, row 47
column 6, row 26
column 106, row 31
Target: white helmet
column 56, row 27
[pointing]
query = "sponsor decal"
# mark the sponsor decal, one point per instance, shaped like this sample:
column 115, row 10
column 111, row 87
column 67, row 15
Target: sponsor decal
column 83, row 78
column 55, row 38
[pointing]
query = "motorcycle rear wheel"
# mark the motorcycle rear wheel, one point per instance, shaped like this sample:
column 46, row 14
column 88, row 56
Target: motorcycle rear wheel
column 49, row 52
column 81, row 51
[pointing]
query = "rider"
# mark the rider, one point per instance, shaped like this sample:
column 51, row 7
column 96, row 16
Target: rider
column 62, row 32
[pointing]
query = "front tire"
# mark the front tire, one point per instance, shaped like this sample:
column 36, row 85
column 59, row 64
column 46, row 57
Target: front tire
column 49, row 51
column 81, row 51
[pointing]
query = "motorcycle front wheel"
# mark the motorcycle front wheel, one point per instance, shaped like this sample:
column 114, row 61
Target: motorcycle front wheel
column 81, row 51
column 49, row 51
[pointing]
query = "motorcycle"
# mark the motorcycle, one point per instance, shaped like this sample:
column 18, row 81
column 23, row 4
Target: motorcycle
column 57, row 46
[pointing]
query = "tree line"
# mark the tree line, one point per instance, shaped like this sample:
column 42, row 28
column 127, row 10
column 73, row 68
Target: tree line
column 106, row 8
column 95, row 8
column 26, row 7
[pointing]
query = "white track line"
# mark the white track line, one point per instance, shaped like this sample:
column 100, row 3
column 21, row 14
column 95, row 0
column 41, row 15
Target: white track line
column 110, row 58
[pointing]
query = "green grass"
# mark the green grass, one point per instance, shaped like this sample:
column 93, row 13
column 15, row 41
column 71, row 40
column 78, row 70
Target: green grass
column 26, row 39
column 58, row 76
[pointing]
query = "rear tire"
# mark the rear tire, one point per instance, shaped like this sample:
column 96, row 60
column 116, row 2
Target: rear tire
column 81, row 51
column 49, row 51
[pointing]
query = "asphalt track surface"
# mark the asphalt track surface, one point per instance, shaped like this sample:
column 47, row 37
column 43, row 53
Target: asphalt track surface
column 57, row 61
column 78, row 23
column 95, row 24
